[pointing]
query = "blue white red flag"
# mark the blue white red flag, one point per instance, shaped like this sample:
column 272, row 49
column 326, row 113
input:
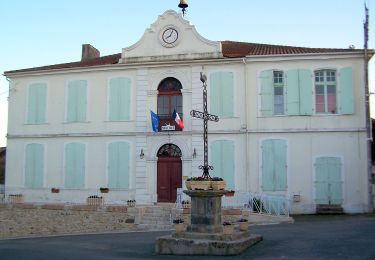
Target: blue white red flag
column 178, row 120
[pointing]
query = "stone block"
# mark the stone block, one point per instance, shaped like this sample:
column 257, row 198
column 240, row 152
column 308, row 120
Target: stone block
column 232, row 211
column 53, row 206
column 24, row 206
column 116, row 208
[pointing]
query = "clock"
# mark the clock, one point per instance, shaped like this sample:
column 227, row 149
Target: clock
column 169, row 37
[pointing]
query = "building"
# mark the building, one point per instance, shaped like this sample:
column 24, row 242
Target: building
column 292, row 121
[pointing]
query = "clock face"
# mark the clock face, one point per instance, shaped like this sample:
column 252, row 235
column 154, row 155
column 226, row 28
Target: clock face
column 170, row 35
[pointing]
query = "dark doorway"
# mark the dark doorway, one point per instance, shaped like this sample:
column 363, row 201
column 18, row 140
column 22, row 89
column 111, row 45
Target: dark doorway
column 169, row 172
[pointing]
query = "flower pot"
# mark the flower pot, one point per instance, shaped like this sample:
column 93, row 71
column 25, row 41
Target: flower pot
column 218, row 185
column 179, row 227
column 243, row 226
column 229, row 194
column 188, row 185
column 200, row 185
column 104, row 190
column 228, row 229
column 55, row 190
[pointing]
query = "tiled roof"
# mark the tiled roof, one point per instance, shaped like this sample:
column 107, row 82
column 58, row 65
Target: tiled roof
column 230, row 49
column 241, row 49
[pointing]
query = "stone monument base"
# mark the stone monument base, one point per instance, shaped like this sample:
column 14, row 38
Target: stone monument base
column 191, row 243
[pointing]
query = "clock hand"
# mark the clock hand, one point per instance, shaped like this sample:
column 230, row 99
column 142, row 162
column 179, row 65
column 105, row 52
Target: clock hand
column 170, row 34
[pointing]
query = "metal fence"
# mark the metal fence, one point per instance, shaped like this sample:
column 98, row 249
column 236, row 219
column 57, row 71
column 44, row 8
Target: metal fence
column 275, row 205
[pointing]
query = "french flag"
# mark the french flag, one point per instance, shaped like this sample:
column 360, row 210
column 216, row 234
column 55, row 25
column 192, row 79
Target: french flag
column 178, row 120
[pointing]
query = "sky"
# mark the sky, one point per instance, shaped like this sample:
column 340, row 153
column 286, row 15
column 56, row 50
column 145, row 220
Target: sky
column 45, row 32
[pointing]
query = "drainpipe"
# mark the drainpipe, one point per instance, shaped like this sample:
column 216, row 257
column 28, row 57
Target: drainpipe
column 368, row 118
column 247, row 181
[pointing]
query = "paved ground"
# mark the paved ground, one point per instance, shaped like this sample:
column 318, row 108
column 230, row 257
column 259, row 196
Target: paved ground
column 310, row 237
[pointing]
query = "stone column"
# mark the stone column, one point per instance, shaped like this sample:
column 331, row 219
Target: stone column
column 205, row 211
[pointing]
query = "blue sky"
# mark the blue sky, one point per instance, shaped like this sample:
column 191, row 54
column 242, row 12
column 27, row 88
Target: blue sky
column 44, row 32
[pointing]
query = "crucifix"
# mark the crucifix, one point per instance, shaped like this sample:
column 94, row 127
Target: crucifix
column 205, row 116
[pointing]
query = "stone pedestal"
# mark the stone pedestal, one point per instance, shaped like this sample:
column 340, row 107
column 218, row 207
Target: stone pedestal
column 204, row 236
column 205, row 211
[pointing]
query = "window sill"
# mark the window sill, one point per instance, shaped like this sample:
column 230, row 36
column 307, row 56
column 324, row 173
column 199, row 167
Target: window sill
column 36, row 123
column 77, row 122
column 118, row 121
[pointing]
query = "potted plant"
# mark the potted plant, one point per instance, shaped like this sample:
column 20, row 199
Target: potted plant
column 229, row 193
column 179, row 225
column 217, row 183
column 131, row 203
column 95, row 200
column 104, row 190
column 185, row 204
column 228, row 228
column 198, row 183
column 55, row 190
column 243, row 224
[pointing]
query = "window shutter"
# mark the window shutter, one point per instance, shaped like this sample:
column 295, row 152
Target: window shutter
column 334, row 178
column 268, row 182
column 266, row 92
column 77, row 101
column 119, row 100
column 34, row 165
column 305, row 89
column 36, row 112
column 346, row 91
column 227, row 100
column 118, row 165
column 280, row 168
column 216, row 148
column 227, row 160
column 292, row 95
column 215, row 93
column 75, row 165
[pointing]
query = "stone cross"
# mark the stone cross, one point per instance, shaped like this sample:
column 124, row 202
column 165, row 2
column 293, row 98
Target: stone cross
column 205, row 116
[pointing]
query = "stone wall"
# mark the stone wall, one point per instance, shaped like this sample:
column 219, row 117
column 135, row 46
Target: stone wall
column 21, row 220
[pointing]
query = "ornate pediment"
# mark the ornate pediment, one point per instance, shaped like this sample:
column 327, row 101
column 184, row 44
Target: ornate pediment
column 171, row 37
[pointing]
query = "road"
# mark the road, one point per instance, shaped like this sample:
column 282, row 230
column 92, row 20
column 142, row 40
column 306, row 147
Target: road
column 310, row 237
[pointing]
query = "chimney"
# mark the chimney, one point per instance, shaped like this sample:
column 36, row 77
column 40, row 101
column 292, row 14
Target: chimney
column 89, row 52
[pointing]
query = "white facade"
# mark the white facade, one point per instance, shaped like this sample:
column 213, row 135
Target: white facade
column 146, row 64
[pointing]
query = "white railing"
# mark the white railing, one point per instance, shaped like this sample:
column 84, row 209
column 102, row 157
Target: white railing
column 275, row 205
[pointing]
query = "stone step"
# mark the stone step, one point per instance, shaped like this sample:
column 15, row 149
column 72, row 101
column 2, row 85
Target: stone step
column 150, row 227
column 329, row 209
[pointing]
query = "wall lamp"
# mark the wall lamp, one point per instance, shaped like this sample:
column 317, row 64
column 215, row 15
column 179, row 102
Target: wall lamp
column 194, row 153
column 141, row 155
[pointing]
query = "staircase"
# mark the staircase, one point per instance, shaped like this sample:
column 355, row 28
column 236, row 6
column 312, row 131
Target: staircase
column 325, row 209
column 156, row 217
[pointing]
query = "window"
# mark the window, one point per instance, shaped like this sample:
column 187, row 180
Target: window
column 274, row 167
column 325, row 91
column 222, row 157
column 36, row 107
column 34, row 165
column 119, row 99
column 278, row 93
column 118, row 165
column 169, row 99
column 75, row 164
column 77, row 99
column 221, row 94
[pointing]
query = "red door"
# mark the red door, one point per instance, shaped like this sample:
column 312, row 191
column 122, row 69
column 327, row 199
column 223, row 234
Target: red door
column 169, row 178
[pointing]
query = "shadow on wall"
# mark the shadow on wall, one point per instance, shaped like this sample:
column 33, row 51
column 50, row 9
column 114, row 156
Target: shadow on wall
column 2, row 164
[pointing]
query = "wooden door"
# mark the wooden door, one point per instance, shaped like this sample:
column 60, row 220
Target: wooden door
column 169, row 178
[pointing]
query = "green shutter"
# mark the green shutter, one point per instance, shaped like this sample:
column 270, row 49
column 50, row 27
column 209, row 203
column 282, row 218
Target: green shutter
column 77, row 101
column 227, row 99
column 328, row 184
column 216, row 159
column 292, row 93
column 119, row 100
column 75, row 165
column 118, row 165
column 215, row 93
column 34, row 165
column 222, row 158
column 346, row 91
column 280, row 174
column 268, row 182
column 227, row 161
column 274, row 165
column 36, row 112
column 305, row 89
column 266, row 92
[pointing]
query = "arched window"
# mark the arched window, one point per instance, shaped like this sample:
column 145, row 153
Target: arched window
column 169, row 99
column 169, row 150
